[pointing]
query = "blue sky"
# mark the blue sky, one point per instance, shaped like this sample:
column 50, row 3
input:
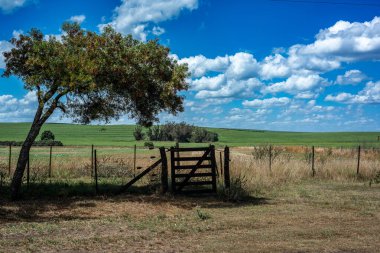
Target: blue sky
column 275, row 65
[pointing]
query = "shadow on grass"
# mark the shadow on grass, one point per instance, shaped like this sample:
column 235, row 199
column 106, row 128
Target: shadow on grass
column 58, row 201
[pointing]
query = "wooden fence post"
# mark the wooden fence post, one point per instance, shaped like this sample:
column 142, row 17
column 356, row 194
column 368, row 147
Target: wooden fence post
column 164, row 171
column 227, row 182
column 312, row 161
column 213, row 165
column 92, row 160
column 10, row 159
column 270, row 158
column 28, row 171
column 134, row 160
column 221, row 163
column 358, row 165
column 50, row 153
column 177, row 146
column 96, row 172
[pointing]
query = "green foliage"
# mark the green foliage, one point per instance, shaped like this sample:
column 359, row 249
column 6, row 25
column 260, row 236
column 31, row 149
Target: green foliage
column 149, row 144
column 47, row 136
column 237, row 190
column 180, row 132
column 138, row 133
column 101, row 75
column 203, row 215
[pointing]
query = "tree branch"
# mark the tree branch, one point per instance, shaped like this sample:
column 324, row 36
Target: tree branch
column 52, row 107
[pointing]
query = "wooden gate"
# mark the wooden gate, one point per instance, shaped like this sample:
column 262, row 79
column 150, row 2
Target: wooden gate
column 193, row 174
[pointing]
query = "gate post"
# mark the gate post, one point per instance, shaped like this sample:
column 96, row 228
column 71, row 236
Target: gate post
column 164, row 171
column 227, row 182
column 213, row 167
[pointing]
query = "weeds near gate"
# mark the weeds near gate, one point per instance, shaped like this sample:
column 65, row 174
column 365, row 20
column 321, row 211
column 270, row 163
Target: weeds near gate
column 202, row 215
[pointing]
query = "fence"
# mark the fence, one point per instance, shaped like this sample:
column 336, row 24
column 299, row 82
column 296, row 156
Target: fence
column 118, row 165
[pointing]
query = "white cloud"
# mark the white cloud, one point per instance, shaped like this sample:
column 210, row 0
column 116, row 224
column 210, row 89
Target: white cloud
column 135, row 16
column 199, row 65
column 208, row 83
column 269, row 102
column 296, row 84
column 9, row 5
column 351, row 77
column 369, row 95
column 242, row 66
column 274, row 66
column 78, row 19
column 18, row 110
column 158, row 30
column 4, row 46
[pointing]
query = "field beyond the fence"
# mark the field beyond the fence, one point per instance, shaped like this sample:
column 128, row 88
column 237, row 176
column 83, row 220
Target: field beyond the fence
column 122, row 135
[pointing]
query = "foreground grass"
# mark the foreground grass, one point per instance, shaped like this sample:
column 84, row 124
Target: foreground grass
column 122, row 135
column 311, row 216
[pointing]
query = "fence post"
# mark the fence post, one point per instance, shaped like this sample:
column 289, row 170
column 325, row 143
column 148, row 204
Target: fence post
column 10, row 159
column 270, row 158
column 134, row 160
column 28, row 171
column 96, row 172
column 50, row 153
column 358, row 165
column 92, row 160
column 213, row 165
column 227, row 182
column 177, row 146
column 312, row 161
column 221, row 163
column 164, row 171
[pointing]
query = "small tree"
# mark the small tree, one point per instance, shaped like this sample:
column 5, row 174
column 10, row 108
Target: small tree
column 138, row 133
column 47, row 136
column 90, row 76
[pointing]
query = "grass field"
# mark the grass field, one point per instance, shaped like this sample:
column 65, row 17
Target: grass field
column 122, row 135
column 310, row 216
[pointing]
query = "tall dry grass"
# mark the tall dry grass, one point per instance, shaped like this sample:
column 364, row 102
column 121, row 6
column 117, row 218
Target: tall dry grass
column 294, row 164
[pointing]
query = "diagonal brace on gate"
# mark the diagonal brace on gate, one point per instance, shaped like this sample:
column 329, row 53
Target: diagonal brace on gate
column 139, row 176
column 192, row 172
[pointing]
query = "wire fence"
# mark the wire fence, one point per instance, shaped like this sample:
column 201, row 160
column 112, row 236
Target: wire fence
column 117, row 165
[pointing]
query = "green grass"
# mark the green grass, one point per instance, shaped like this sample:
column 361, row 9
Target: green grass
column 122, row 135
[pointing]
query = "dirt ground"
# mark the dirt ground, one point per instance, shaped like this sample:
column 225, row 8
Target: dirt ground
column 312, row 216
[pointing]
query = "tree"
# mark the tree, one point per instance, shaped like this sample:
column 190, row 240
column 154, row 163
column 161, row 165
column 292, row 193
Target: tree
column 138, row 133
column 90, row 76
column 47, row 136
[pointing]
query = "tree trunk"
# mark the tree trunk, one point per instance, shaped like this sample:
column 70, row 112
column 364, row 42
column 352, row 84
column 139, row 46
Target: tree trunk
column 24, row 153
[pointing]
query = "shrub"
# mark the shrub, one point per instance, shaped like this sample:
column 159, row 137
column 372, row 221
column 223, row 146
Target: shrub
column 138, row 133
column 149, row 144
column 47, row 136
column 180, row 132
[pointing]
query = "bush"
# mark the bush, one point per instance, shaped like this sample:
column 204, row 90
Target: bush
column 138, row 133
column 47, row 136
column 149, row 144
column 181, row 132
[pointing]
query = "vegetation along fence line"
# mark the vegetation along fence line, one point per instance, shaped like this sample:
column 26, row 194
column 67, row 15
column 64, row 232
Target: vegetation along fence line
column 129, row 160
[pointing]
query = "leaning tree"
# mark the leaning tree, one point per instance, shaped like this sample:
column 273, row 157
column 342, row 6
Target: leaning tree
column 91, row 76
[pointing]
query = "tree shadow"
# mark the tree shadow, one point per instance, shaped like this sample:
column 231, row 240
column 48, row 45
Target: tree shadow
column 58, row 201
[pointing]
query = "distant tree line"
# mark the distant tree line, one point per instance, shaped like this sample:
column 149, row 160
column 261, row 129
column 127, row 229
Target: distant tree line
column 171, row 131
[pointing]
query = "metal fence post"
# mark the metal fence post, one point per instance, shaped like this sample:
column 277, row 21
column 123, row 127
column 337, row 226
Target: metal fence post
column 312, row 161
column 358, row 164
column 96, row 172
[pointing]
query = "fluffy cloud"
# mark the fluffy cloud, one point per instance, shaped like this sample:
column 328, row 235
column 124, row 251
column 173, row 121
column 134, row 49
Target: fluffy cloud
column 369, row 95
column 269, row 102
column 296, row 84
column 13, row 109
column 135, row 16
column 4, row 46
column 351, row 77
column 78, row 19
column 9, row 5
column 199, row 65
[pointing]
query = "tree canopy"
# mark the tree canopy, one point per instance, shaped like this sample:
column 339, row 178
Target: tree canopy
column 101, row 76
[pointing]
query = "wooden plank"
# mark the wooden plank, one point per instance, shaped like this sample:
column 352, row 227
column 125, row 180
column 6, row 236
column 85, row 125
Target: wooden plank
column 138, row 177
column 182, row 184
column 191, row 158
column 190, row 149
column 198, row 183
column 200, row 191
column 189, row 167
column 194, row 175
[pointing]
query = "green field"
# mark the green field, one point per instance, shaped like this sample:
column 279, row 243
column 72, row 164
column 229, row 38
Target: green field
column 122, row 135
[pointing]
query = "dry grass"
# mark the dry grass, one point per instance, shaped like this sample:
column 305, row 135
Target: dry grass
column 312, row 216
